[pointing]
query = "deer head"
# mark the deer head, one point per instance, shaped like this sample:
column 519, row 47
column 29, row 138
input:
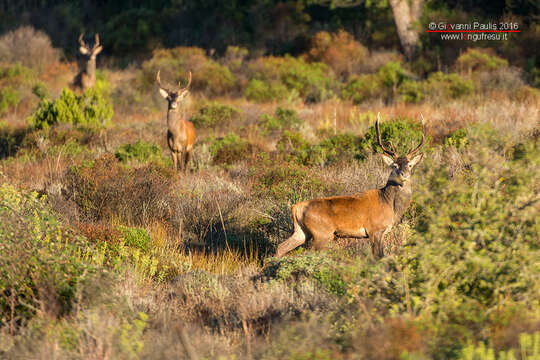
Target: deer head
column 401, row 165
column 86, row 50
column 173, row 96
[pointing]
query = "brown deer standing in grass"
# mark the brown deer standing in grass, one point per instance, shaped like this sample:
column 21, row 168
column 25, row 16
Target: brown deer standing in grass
column 369, row 214
column 180, row 133
column 86, row 78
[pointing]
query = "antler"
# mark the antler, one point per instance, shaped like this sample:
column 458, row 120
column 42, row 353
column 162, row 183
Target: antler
column 96, row 43
column 379, row 140
column 413, row 152
column 187, row 86
column 159, row 82
column 81, row 41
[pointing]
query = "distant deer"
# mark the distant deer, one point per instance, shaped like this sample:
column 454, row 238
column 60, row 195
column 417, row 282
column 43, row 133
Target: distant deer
column 86, row 78
column 369, row 214
column 180, row 133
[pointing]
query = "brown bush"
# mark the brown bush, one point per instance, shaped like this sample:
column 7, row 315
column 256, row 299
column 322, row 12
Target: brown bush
column 29, row 47
column 105, row 190
column 340, row 51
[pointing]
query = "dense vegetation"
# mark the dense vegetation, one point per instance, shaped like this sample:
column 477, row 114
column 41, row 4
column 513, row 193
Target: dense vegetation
column 105, row 252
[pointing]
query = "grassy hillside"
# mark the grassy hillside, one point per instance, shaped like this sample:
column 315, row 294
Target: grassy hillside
column 105, row 252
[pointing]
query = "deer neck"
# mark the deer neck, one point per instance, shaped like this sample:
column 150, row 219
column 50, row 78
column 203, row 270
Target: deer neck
column 91, row 67
column 398, row 196
column 175, row 123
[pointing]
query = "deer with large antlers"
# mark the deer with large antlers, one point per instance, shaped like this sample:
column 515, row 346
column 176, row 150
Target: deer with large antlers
column 370, row 214
column 180, row 132
column 86, row 78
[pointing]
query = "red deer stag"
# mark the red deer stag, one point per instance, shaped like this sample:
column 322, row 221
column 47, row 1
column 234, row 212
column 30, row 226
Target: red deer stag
column 86, row 78
column 369, row 214
column 180, row 133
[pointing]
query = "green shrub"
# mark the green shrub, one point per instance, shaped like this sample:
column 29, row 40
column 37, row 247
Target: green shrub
column 214, row 79
column 412, row 91
column 448, row 86
column 12, row 77
column 458, row 139
column 40, row 90
column 401, row 132
column 284, row 181
column 333, row 149
column 91, row 109
column 341, row 147
column 362, row 88
column 282, row 119
column 391, row 74
column 312, row 81
column 479, row 60
column 294, row 147
column 261, row 91
column 14, row 73
column 210, row 77
column 316, row 266
column 42, row 263
column 214, row 114
column 8, row 98
column 136, row 237
column 229, row 149
column 140, row 151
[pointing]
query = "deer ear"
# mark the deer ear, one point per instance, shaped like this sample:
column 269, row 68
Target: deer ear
column 163, row 93
column 415, row 160
column 388, row 160
column 84, row 50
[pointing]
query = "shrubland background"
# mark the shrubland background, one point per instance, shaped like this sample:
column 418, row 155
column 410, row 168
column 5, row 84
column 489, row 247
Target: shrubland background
column 105, row 253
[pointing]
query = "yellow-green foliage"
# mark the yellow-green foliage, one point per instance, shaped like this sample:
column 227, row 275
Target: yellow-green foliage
column 282, row 119
column 91, row 109
column 229, row 149
column 41, row 263
column 362, row 88
column 479, row 60
column 208, row 76
column 529, row 350
column 140, row 151
column 213, row 114
column 11, row 79
column 311, row 81
column 261, row 91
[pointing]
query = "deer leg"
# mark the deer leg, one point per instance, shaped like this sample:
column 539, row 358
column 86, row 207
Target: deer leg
column 175, row 160
column 186, row 159
column 377, row 243
column 181, row 160
column 297, row 239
